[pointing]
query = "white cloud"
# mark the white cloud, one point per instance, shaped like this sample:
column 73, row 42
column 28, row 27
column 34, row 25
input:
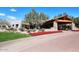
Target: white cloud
column 13, row 10
column 2, row 14
column 11, row 17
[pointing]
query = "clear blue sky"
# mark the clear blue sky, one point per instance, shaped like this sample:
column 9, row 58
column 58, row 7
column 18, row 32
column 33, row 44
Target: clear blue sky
column 19, row 12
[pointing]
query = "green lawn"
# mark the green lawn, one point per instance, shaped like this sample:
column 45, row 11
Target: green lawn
column 5, row 36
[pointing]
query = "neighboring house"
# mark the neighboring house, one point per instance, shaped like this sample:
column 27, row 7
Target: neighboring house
column 16, row 24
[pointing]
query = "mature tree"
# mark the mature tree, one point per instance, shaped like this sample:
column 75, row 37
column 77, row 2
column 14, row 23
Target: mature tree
column 31, row 16
column 76, row 20
column 4, row 23
column 43, row 16
column 35, row 19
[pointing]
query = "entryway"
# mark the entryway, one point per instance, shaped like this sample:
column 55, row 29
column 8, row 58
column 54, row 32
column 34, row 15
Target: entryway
column 64, row 26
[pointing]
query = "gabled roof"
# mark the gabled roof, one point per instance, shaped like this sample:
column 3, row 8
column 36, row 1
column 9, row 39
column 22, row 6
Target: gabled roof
column 49, row 21
column 64, row 16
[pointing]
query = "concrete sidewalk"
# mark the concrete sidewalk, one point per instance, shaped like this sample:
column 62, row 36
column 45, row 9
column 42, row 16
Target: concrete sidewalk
column 44, row 43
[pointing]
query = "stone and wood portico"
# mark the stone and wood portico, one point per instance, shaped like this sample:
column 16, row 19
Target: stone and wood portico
column 60, row 23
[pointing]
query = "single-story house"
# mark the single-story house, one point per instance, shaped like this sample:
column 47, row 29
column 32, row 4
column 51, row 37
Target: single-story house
column 60, row 23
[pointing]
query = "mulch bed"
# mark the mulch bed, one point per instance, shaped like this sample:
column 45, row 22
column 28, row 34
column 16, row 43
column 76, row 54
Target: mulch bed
column 42, row 33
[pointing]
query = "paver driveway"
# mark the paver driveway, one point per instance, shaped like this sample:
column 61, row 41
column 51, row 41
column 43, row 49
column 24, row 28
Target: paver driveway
column 66, row 41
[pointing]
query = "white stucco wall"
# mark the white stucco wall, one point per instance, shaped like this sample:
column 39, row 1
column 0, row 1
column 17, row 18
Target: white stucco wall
column 14, row 23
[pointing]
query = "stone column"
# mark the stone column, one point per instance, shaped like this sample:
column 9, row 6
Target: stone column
column 73, row 26
column 55, row 25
